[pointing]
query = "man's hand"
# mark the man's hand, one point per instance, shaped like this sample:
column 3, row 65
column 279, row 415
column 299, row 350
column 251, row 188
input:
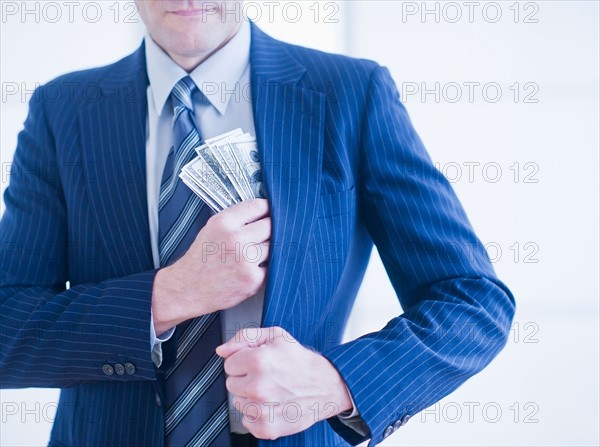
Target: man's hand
column 280, row 387
column 223, row 266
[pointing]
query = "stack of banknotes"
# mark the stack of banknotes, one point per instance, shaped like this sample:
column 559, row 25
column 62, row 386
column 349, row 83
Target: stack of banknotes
column 226, row 171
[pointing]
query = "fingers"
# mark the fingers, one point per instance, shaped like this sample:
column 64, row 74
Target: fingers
column 264, row 254
column 237, row 363
column 256, row 254
column 245, row 212
column 247, row 338
column 237, row 385
column 258, row 231
column 257, row 235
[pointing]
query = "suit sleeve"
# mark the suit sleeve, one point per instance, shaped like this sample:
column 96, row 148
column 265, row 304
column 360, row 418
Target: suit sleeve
column 51, row 336
column 456, row 313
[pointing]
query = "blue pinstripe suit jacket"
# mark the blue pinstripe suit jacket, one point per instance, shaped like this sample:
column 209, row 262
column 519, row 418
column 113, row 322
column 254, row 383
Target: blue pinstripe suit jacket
column 343, row 168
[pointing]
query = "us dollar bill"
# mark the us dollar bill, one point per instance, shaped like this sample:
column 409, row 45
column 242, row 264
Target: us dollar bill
column 226, row 171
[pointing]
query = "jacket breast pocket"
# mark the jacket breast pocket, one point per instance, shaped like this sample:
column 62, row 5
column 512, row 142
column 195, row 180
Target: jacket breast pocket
column 337, row 203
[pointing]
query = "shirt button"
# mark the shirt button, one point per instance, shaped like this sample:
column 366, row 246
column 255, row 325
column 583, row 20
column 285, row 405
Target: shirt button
column 388, row 431
column 107, row 369
column 119, row 369
column 129, row 368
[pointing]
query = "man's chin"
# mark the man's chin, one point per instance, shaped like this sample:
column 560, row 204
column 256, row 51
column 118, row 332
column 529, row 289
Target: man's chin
column 190, row 43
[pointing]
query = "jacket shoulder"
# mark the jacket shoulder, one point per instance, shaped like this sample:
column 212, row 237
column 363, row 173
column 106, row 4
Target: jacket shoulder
column 77, row 89
column 331, row 67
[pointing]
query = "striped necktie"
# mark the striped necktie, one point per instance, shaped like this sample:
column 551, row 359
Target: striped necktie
column 195, row 394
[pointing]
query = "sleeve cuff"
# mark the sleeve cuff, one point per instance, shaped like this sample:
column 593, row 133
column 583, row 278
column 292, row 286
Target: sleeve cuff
column 348, row 414
column 352, row 419
column 156, row 342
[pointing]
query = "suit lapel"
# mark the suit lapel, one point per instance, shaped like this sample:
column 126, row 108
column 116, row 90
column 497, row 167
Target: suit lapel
column 113, row 141
column 289, row 123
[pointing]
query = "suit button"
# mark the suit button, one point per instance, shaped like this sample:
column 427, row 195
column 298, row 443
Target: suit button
column 119, row 369
column 397, row 424
column 129, row 368
column 388, row 431
column 107, row 369
column 158, row 402
column 405, row 419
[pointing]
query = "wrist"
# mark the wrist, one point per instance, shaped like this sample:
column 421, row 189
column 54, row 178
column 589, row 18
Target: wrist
column 335, row 388
column 165, row 304
column 173, row 302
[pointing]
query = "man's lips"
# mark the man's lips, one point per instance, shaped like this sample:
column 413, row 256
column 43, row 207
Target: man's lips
column 192, row 12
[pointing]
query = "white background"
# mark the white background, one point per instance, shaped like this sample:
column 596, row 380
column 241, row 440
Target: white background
column 541, row 226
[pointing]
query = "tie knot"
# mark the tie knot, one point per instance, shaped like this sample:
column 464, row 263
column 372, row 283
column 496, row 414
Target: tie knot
column 183, row 91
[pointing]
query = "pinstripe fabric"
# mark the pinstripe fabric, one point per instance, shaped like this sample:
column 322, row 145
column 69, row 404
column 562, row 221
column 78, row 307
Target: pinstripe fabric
column 180, row 210
column 343, row 168
column 196, row 381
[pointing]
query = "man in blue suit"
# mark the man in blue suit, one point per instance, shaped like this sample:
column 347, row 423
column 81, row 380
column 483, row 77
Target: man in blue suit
column 171, row 333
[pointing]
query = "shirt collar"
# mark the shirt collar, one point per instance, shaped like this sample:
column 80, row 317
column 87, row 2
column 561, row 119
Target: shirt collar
column 216, row 77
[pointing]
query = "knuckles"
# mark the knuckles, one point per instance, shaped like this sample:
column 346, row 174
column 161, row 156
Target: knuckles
column 259, row 392
column 281, row 334
column 259, row 363
column 251, row 277
column 265, row 431
column 261, row 428
column 217, row 223
column 257, row 206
